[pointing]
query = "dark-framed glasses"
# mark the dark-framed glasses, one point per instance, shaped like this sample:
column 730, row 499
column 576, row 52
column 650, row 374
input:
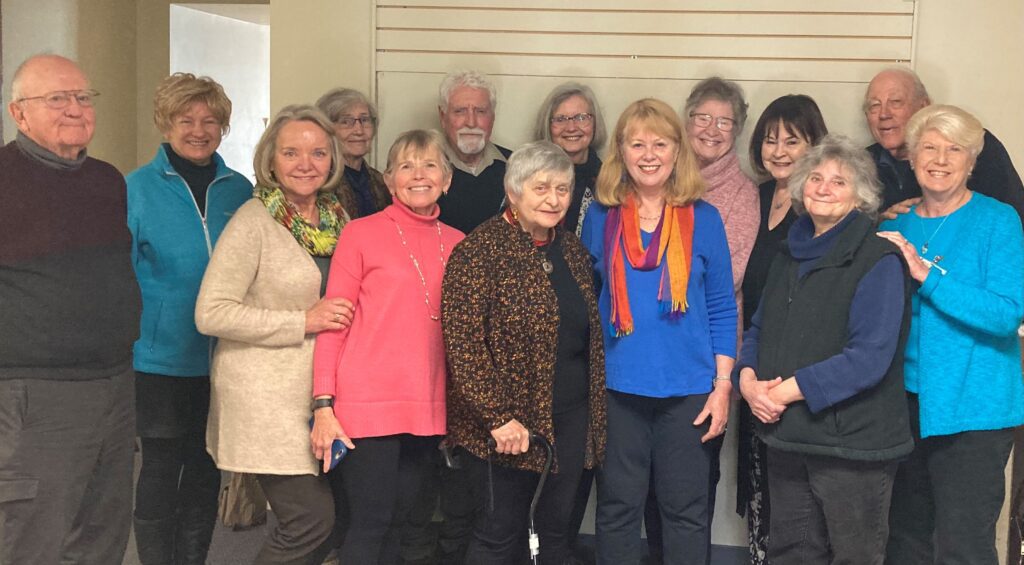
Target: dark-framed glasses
column 350, row 122
column 705, row 120
column 60, row 99
column 581, row 118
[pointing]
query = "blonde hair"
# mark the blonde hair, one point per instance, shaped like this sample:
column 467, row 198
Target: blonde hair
column 263, row 156
column 418, row 142
column 685, row 184
column 953, row 123
column 176, row 93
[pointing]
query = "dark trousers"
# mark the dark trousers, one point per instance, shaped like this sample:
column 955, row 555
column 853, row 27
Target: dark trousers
column 500, row 536
column 450, row 491
column 381, row 479
column 652, row 516
column 647, row 433
column 66, row 457
column 947, row 497
column 828, row 511
column 304, row 509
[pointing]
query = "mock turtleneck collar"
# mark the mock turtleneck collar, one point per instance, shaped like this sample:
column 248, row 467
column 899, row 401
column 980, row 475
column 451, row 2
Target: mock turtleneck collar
column 47, row 157
column 806, row 248
column 401, row 213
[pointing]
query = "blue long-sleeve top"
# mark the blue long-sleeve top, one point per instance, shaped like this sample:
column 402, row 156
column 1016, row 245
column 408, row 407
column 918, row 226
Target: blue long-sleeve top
column 963, row 353
column 876, row 313
column 668, row 356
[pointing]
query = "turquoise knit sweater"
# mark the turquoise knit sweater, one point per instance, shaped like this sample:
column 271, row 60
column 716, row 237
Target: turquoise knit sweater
column 968, row 362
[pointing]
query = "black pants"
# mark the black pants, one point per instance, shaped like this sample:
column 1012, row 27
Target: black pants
column 652, row 515
column 828, row 511
column 381, row 479
column 304, row 509
column 499, row 537
column 451, row 492
column 647, row 433
column 947, row 497
column 66, row 457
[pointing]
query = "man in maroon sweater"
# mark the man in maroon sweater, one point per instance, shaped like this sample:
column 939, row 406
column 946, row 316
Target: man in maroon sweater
column 69, row 311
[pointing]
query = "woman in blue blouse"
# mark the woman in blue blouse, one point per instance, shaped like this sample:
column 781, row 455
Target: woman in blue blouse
column 669, row 320
column 963, row 375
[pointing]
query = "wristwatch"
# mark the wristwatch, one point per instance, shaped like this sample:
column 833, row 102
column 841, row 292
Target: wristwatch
column 327, row 402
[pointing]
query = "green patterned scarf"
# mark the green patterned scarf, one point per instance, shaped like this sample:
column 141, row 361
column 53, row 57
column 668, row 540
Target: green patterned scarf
column 320, row 240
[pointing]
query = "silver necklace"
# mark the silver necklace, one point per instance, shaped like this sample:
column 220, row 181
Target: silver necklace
column 928, row 238
column 416, row 264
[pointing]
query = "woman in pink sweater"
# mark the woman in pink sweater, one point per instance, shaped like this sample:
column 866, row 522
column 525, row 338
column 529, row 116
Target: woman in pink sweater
column 379, row 386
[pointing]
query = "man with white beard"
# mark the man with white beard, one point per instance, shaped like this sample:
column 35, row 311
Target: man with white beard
column 466, row 110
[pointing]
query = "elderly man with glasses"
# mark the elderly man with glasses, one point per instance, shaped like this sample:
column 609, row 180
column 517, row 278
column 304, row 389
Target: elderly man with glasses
column 892, row 97
column 70, row 310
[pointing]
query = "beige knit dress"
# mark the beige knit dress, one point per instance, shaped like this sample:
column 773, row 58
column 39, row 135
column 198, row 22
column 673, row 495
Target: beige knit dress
column 257, row 288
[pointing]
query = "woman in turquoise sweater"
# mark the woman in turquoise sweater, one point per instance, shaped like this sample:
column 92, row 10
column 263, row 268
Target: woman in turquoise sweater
column 178, row 205
column 962, row 372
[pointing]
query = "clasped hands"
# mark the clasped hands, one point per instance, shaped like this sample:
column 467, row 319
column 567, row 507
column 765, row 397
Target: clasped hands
column 764, row 397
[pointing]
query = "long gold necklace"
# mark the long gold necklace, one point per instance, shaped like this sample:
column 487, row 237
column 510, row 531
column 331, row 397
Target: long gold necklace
column 416, row 264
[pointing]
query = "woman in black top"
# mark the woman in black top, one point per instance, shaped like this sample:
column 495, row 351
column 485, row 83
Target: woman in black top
column 787, row 128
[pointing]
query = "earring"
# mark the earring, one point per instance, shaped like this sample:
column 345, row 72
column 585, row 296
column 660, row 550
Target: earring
column 515, row 213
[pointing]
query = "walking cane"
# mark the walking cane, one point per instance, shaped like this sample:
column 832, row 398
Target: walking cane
column 549, row 457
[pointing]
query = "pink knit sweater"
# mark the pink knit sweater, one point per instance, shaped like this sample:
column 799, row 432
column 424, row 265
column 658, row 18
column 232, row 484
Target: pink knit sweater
column 387, row 371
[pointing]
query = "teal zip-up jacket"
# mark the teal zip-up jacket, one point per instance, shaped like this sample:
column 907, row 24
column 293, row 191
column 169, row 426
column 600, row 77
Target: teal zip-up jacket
column 171, row 245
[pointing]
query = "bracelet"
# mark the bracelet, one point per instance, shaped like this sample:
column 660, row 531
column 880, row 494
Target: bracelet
column 323, row 403
column 718, row 378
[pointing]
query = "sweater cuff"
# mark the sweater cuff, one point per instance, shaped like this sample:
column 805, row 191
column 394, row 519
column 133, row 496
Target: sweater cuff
column 930, row 282
column 814, row 396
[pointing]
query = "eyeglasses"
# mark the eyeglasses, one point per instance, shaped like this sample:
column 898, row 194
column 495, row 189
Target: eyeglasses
column 704, row 120
column 60, row 99
column 351, row 122
column 581, row 118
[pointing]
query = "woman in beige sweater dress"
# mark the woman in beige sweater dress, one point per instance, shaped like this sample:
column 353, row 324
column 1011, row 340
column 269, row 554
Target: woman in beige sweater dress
column 261, row 298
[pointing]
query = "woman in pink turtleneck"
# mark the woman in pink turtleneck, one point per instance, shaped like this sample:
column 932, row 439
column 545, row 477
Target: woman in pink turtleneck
column 379, row 386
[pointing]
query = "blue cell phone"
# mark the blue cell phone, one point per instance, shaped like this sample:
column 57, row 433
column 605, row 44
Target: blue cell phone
column 338, row 450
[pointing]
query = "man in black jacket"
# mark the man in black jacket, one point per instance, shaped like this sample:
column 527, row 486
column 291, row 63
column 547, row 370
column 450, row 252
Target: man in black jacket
column 892, row 97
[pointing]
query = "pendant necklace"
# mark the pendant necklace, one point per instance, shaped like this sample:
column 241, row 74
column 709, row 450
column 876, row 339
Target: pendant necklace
column 512, row 217
column 545, row 261
column 416, row 264
column 928, row 239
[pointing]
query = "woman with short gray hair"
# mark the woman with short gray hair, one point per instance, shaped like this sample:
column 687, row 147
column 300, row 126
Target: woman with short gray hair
column 571, row 118
column 822, row 366
column 525, row 357
column 361, row 190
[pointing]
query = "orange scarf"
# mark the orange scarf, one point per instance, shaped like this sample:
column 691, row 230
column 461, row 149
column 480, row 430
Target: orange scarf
column 672, row 238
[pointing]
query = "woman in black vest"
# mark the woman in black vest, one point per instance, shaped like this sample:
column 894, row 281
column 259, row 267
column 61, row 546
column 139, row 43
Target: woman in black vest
column 822, row 366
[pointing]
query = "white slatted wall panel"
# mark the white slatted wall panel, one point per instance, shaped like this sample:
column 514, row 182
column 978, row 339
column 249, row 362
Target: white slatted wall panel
column 626, row 50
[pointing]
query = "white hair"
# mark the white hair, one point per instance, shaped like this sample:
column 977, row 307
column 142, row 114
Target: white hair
column 472, row 79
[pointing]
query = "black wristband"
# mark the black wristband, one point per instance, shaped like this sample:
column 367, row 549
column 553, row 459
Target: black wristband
column 323, row 402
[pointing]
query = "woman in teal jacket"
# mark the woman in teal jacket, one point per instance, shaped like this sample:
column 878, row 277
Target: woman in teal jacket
column 962, row 361
column 178, row 205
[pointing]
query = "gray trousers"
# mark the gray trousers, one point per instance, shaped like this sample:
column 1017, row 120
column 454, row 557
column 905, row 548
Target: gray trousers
column 66, row 456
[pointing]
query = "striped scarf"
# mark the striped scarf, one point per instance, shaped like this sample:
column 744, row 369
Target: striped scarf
column 673, row 237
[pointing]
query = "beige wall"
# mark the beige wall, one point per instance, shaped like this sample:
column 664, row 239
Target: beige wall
column 106, row 53
column 972, row 55
column 316, row 45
